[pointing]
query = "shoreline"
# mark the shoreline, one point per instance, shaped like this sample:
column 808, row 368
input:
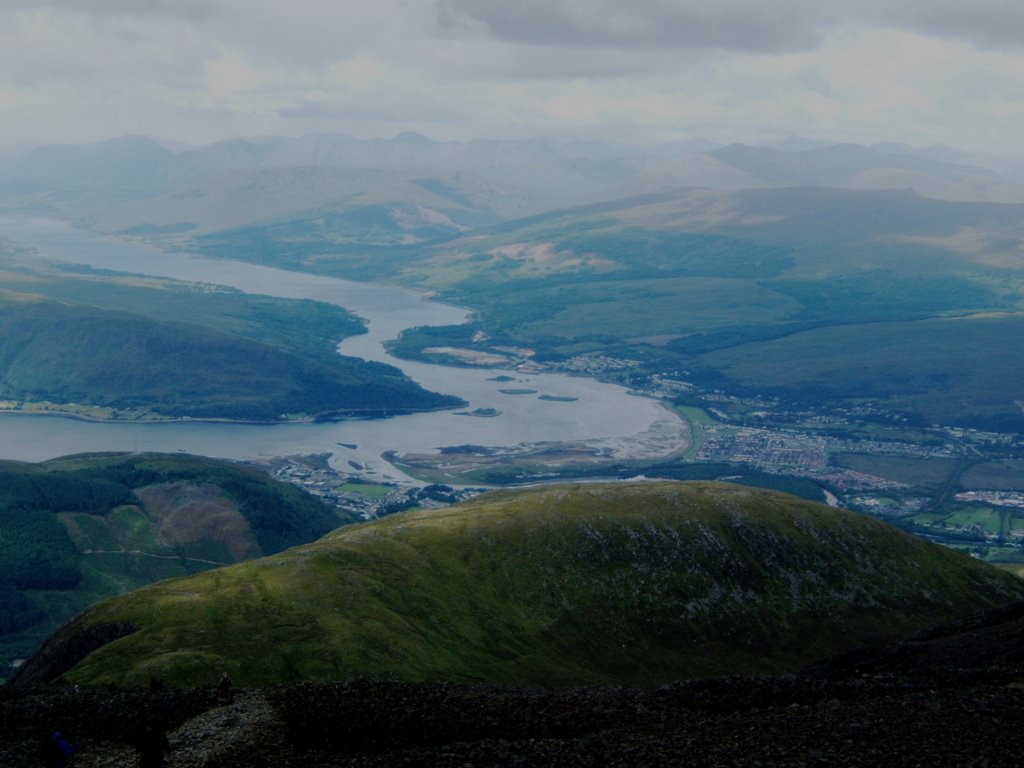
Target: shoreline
column 153, row 418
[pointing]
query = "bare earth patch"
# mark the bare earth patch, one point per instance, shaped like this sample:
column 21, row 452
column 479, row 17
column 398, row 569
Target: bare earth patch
column 187, row 513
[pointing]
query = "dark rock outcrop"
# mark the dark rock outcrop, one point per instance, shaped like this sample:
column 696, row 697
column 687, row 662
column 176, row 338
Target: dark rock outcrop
column 953, row 697
column 66, row 647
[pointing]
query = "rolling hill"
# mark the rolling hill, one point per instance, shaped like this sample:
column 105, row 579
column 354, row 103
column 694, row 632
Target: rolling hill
column 86, row 356
column 608, row 583
column 120, row 346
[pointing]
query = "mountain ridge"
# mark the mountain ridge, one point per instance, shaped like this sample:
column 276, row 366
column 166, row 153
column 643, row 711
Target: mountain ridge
column 517, row 178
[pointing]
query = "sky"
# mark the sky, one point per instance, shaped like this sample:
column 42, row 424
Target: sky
column 919, row 72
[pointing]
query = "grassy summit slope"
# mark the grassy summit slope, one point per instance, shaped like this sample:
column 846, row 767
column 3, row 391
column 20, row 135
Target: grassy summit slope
column 625, row 583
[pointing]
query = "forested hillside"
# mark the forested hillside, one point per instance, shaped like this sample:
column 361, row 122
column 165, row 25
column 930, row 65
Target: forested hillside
column 77, row 529
column 56, row 353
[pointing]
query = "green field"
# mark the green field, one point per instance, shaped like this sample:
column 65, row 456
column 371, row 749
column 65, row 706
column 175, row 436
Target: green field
column 1006, row 475
column 367, row 489
column 978, row 518
column 926, row 473
column 984, row 517
column 696, row 417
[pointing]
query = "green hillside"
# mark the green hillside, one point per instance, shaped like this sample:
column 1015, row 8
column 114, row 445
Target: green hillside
column 110, row 345
column 56, row 353
column 705, row 285
column 953, row 371
column 607, row 583
column 308, row 328
column 79, row 529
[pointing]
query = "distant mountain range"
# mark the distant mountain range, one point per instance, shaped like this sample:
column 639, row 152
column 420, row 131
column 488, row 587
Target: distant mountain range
column 134, row 184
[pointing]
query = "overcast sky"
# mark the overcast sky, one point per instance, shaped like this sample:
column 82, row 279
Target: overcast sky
column 642, row 71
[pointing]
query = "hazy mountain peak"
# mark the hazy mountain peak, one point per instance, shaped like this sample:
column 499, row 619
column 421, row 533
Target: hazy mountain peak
column 130, row 162
column 412, row 137
column 794, row 143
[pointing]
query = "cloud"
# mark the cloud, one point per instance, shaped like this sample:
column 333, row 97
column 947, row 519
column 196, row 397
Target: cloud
column 729, row 24
column 997, row 24
column 48, row 47
column 779, row 26
column 181, row 8
column 917, row 71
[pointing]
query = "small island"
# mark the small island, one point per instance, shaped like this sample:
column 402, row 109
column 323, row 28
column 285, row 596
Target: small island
column 485, row 413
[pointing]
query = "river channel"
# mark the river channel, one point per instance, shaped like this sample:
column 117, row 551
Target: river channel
column 603, row 417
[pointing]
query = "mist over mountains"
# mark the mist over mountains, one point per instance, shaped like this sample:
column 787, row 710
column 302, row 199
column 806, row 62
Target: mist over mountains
column 239, row 181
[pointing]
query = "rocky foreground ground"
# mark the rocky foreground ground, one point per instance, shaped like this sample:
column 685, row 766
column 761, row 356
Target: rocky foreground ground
column 953, row 697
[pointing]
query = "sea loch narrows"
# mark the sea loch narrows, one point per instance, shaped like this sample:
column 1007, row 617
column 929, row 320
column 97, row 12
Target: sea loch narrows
column 617, row 424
